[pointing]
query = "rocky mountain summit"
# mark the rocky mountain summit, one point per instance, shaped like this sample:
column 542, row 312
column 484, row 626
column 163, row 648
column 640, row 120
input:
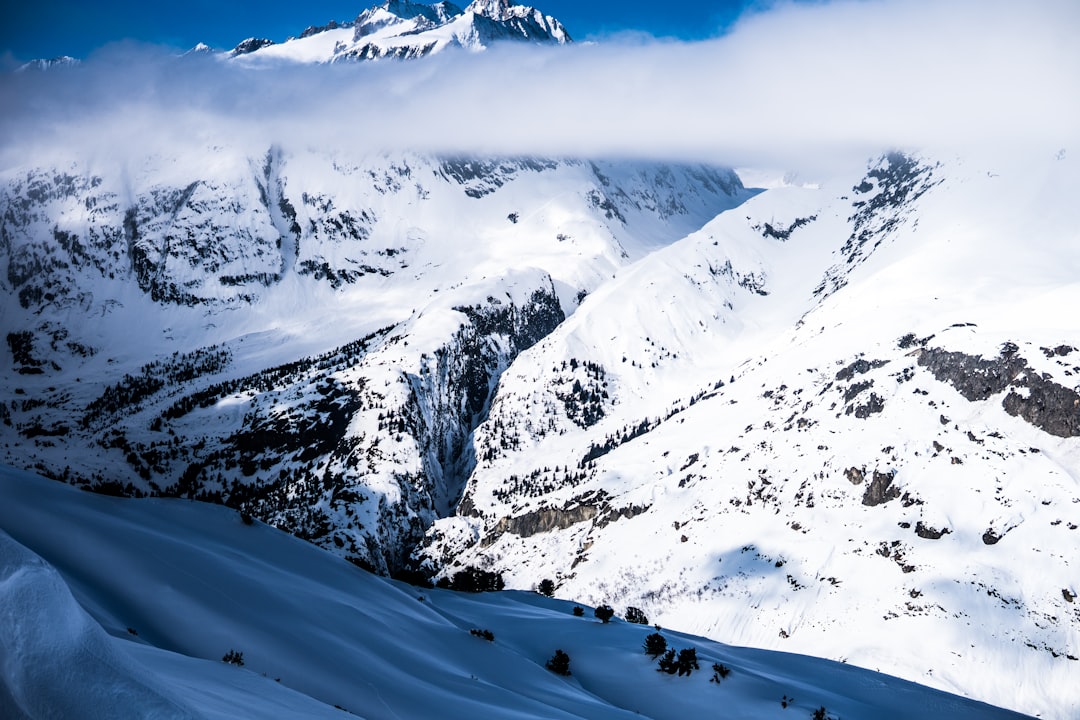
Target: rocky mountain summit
column 403, row 29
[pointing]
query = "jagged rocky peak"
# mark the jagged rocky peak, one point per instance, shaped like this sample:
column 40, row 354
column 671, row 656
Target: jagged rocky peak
column 494, row 9
column 522, row 21
column 395, row 12
column 488, row 20
column 317, row 29
column 250, row 45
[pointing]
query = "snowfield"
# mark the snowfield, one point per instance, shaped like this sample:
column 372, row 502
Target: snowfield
column 124, row 608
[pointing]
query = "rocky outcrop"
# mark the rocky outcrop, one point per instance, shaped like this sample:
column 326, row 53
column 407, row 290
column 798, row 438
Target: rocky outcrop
column 881, row 489
column 1051, row 407
column 1033, row 397
column 544, row 520
column 974, row 377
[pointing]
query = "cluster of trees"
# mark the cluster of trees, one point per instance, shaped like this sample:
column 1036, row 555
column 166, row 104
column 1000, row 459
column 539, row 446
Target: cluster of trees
column 233, row 657
column 473, row 579
column 584, row 403
column 179, row 369
column 682, row 662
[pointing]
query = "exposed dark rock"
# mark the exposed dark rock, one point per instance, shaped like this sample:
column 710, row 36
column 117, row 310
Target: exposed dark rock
column 859, row 367
column 21, row 345
column 1059, row 351
column 929, row 533
column 1035, row 398
column 783, row 233
column 317, row 29
column 872, row 406
column 881, row 489
column 544, row 520
column 1068, row 595
column 482, row 177
column 855, row 475
column 973, row 376
column 887, row 196
column 857, row 388
column 909, row 340
column 1048, row 406
column 623, row 513
column 991, row 537
column 250, row 45
column 907, row 500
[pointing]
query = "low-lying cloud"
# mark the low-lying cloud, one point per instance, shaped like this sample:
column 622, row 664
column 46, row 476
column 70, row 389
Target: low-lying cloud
column 796, row 85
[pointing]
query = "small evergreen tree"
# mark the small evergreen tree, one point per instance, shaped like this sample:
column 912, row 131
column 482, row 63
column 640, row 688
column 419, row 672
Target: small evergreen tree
column 579, row 611
column 559, row 663
column 687, row 661
column 667, row 662
column 634, row 615
column 655, row 645
column 546, row 587
column 720, row 672
column 604, row 613
column 821, row 714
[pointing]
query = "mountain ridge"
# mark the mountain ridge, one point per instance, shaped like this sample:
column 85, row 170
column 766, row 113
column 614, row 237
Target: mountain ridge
column 407, row 30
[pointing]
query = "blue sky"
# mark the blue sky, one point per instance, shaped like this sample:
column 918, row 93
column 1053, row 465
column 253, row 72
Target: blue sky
column 47, row 28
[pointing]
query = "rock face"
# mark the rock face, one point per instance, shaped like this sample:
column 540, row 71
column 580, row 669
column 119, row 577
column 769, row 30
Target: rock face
column 1049, row 406
column 880, row 490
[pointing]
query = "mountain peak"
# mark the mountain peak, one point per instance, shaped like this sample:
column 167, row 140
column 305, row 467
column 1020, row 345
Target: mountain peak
column 494, row 9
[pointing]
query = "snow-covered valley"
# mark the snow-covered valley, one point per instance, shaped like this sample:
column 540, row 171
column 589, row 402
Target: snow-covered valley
column 836, row 417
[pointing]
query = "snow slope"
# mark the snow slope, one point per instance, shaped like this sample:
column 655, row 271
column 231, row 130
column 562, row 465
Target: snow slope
column 841, row 420
column 371, row 301
column 128, row 610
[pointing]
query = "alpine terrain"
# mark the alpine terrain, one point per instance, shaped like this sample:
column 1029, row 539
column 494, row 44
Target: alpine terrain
column 837, row 418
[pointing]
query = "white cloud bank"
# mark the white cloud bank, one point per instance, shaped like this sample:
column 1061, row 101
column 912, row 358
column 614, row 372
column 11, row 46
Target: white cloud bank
column 796, row 85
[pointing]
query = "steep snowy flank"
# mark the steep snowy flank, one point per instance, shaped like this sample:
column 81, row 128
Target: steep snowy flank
column 135, row 618
column 406, row 30
column 312, row 338
column 841, row 420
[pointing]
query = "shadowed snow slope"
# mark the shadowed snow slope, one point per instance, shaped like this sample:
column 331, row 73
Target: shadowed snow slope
column 126, row 612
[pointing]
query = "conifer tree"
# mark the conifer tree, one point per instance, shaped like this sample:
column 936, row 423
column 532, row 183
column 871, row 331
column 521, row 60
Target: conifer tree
column 559, row 663
column 655, row 645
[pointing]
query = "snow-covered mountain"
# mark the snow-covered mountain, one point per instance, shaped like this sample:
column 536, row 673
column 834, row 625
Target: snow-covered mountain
column 126, row 608
column 403, row 29
column 838, row 412
column 310, row 337
column 838, row 418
